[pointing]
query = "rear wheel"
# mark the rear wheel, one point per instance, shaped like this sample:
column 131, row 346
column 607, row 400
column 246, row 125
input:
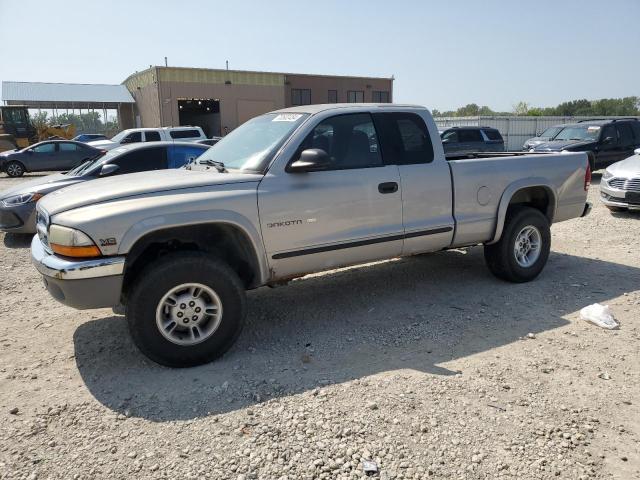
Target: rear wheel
column 14, row 169
column 523, row 249
column 186, row 309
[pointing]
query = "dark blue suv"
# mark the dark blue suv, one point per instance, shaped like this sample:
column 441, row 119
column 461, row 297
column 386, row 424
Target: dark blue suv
column 466, row 140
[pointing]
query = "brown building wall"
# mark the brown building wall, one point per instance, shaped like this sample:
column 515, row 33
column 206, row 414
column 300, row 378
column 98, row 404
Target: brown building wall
column 242, row 95
column 238, row 103
column 320, row 86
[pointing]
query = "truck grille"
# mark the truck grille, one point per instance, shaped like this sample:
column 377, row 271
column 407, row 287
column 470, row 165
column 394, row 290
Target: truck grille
column 625, row 184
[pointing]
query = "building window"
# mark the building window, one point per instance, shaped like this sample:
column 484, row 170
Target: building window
column 300, row 96
column 355, row 96
column 333, row 96
column 380, row 97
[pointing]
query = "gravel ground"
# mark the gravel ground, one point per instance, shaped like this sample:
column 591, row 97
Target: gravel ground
column 426, row 366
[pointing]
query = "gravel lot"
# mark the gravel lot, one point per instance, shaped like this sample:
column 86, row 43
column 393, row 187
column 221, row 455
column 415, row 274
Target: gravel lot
column 427, row 366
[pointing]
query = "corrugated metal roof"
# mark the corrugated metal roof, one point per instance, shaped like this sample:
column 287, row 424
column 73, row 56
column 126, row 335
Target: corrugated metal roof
column 65, row 92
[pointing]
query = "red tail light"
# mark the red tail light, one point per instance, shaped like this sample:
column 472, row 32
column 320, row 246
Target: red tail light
column 587, row 177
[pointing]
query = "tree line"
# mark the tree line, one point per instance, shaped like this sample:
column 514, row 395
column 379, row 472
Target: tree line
column 627, row 106
column 89, row 122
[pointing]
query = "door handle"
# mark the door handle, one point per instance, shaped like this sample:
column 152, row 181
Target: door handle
column 388, row 187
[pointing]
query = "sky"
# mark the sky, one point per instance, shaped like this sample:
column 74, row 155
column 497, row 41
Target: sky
column 442, row 54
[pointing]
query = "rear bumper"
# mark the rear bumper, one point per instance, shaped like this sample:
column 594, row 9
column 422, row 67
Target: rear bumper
column 81, row 284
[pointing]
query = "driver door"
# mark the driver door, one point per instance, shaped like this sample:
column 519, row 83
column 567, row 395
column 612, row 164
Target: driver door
column 348, row 213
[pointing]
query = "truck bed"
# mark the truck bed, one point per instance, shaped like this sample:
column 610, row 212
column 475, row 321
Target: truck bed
column 480, row 181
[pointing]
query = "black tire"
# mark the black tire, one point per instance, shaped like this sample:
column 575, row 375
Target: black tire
column 162, row 276
column 14, row 169
column 500, row 256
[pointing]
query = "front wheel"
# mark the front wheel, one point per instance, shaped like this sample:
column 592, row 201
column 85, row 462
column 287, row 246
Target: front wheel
column 14, row 169
column 523, row 249
column 186, row 309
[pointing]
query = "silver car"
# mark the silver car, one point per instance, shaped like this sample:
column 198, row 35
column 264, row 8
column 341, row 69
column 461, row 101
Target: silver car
column 620, row 185
column 547, row 135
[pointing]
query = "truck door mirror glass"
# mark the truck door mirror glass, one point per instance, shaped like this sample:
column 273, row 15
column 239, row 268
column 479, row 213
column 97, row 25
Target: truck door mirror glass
column 607, row 140
column 311, row 160
column 108, row 169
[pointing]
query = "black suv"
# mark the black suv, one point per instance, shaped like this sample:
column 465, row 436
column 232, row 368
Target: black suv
column 605, row 141
column 463, row 140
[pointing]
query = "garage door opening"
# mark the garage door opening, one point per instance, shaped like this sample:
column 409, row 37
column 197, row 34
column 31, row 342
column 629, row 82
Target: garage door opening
column 200, row 112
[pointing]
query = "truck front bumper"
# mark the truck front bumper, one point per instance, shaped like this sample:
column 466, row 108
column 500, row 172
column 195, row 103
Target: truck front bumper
column 81, row 284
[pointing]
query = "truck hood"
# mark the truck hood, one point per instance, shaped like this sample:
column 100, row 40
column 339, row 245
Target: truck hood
column 103, row 144
column 135, row 184
column 558, row 145
column 42, row 185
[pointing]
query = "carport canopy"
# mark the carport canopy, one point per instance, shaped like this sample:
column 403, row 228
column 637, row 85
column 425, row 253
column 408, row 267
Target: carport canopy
column 65, row 95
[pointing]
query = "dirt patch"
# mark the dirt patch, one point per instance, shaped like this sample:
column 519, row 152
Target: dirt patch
column 427, row 366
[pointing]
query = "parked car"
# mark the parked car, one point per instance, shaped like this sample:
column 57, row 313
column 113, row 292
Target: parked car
column 17, row 204
column 89, row 137
column 210, row 141
column 544, row 137
column 47, row 156
column 285, row 194
column 164, row 134
column 620, row 184
column 605, row 141
column 463, row 140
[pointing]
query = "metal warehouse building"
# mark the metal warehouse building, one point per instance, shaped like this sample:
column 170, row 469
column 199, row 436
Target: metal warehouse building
column 220, row 100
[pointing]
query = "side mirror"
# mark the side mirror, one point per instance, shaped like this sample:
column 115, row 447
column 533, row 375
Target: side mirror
column 607, row 141
column 108, row 169
column 311, row 160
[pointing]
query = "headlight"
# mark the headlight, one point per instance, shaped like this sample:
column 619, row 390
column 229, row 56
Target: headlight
column 23, row 198
column 71, row 242
column 606, row 175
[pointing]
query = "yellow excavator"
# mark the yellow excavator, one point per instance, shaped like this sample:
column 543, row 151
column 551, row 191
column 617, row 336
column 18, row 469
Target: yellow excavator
column 17, row 130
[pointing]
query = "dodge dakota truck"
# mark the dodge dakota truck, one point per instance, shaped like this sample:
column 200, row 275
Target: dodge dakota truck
column 288, row 193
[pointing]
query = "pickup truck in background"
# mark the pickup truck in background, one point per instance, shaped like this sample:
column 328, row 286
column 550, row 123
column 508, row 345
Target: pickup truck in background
column 288, row 193
column 163, row 134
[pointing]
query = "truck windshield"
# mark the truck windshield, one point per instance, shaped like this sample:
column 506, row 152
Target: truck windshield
column 550, row 132
column 588, row 132
column 252, row 145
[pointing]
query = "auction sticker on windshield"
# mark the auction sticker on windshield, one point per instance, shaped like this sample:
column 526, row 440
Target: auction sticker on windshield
column 286, row 117
column 593, row 127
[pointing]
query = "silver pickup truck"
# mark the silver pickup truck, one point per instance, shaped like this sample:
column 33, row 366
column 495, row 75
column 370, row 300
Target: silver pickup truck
column 288, row 193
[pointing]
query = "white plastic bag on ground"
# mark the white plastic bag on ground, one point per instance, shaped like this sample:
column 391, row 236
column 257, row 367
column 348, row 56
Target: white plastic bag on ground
column 599, row 315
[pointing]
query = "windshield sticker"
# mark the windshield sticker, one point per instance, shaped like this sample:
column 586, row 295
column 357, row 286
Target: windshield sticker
column 287, row 117
column 593, row 127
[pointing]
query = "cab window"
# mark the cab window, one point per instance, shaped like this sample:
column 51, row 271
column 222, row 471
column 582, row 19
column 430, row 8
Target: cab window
column 350, row 140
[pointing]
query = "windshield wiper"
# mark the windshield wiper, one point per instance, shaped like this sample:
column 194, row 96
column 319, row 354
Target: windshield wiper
column 214, row 163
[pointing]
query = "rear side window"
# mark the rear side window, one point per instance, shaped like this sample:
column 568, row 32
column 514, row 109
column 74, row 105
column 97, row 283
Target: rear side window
column 635, row 127
column 180, row 155
column 142, row 160
column 625, row 134
column 492, row 134
column 151, row 136
column 404, row 138
column 469, row 136
column 67, row 147
column 184, row 133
